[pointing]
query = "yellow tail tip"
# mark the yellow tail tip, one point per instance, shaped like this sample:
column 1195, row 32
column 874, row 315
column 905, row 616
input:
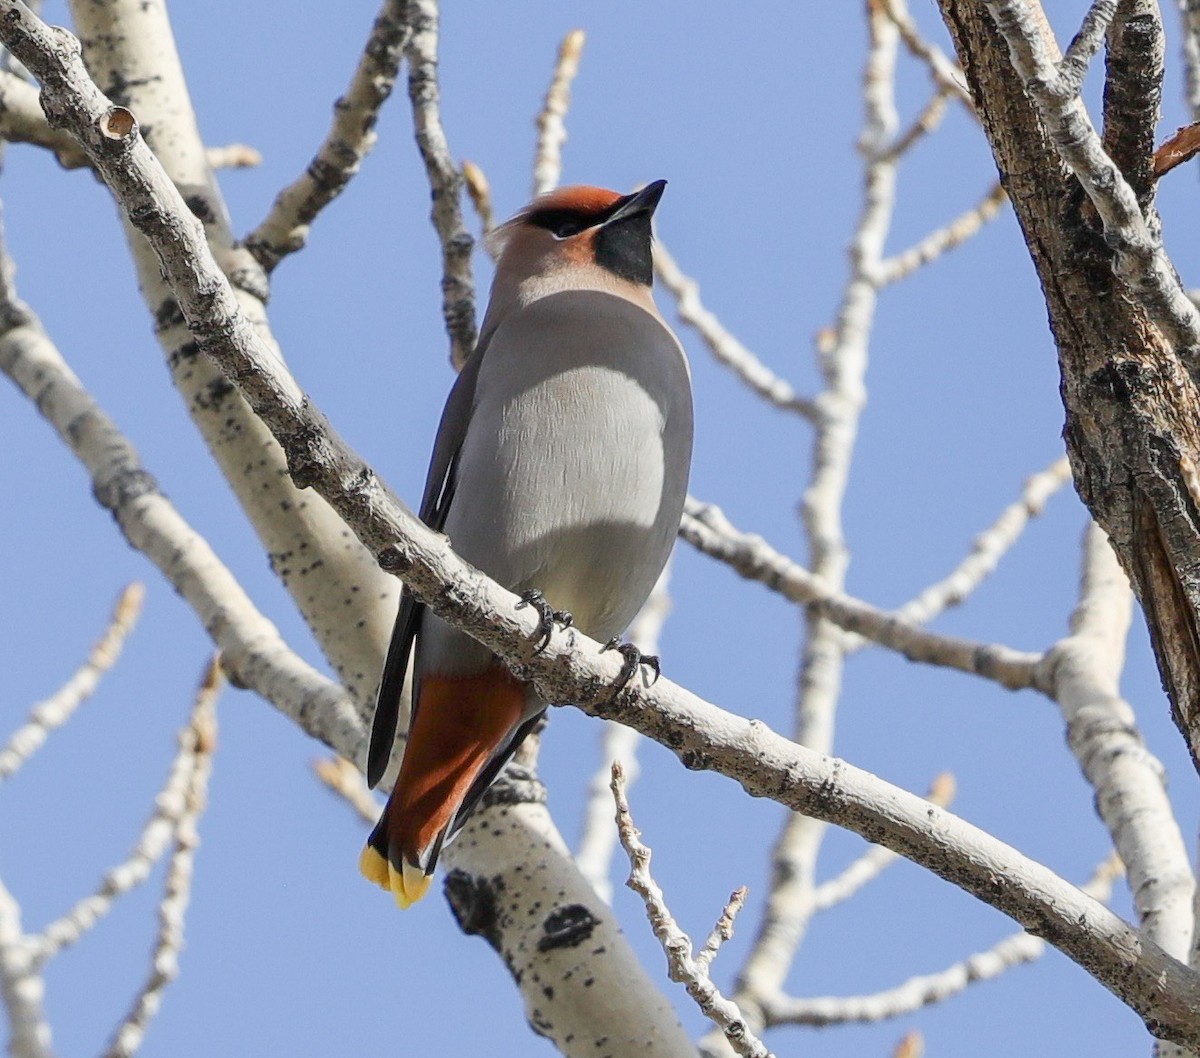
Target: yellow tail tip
column 407, row 885
column 374, row 867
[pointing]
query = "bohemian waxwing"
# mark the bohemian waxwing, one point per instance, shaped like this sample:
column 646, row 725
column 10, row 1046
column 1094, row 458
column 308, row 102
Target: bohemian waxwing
column 560, row 469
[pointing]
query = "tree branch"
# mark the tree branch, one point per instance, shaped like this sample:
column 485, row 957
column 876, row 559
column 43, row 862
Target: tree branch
column 1131, row 426
column 197, row 740
column 1165, row 993
column 691, row 972
column 445, row 180
column 56, row 710
column 351, row 137
column 707, row 529
column 928, row 989
column 552, row 129
column 723, row 345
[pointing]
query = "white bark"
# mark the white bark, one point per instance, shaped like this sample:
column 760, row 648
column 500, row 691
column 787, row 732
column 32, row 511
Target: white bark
column 573, row 1018
column 129, row 44
column 1165, row 992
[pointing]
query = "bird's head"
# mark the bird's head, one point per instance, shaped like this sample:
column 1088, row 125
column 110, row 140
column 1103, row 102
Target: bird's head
column 572, row 231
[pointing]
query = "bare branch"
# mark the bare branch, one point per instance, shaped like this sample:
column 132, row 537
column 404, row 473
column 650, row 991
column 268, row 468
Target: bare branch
column 928, row 989
column 347, row 783
column 234, row 156
column 350, row 138
column 252, row 650
column 723, row 930
column 480, row 193
column 1178, row 148
column 936, row 243
column 681, row 967
column 1129, row 782
column 1191, row 52
column 552, row 129
column 1085, row 44
column 199, row 740
column 876, row 859
column 1164, row 992
column 445, row 181
column 598, row 837
column 926, row 122
column 707, row 529
column 945, row 72
column 55, row 711
column 1139, row 256
column 347, row 602
column 21, row 985
column 172, row 807
column 22, row 121
column 723, row 345
column 988, row 549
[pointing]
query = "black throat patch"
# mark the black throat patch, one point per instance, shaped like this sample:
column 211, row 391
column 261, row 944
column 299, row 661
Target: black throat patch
column 623, row 247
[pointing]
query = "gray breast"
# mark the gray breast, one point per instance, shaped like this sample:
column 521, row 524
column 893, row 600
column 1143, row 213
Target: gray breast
column 574, row 465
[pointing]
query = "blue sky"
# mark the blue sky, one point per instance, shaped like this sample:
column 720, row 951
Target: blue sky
column 752, row 117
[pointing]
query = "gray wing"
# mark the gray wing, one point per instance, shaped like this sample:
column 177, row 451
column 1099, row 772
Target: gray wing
column 435, row 504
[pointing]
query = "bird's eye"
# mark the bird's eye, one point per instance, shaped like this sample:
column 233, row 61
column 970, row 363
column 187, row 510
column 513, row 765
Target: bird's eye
column 564, row 229
column 561, row 223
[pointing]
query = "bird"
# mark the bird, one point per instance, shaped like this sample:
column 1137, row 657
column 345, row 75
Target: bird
column 560, row 469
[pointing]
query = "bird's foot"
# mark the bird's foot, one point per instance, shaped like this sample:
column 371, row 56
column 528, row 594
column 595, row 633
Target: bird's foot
column 634, row 659
column 548, row 617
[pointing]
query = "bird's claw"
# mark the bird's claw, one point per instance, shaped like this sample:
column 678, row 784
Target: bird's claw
column 548, row 617
column 634, row 659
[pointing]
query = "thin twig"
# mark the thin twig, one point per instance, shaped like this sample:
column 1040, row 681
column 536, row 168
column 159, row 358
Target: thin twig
column 349, row 140
column 56, row 710
column 944, row 70
column 681, row 967
column 722, row 344
column 199, row 740
column 171, row 808
column 723, row 930
column 445, row 180
column 926, row 121
column 988, row 548
column 929, row 249
column 707, row 529
column 1182, row 146
column 928, row 989
column 347, row 782
column 480, row 193
column 552, row 129
column 876, row 859
column 598, row 836
column 234, row 156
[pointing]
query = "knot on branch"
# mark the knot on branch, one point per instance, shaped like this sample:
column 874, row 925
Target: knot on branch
column 118, row 126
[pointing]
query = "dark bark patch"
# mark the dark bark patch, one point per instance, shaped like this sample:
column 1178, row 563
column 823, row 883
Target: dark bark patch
column 475, row 903
column 567, row 927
